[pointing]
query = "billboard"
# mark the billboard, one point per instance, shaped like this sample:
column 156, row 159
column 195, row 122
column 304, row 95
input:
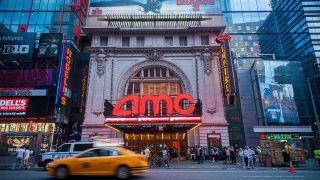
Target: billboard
column 278, row 99
column 17, row 46
column 50, row 45
column 30, row 77
column 34, row 106
column 104, row 7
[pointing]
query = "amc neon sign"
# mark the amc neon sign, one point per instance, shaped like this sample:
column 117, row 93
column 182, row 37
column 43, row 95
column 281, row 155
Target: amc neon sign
column 139, row 105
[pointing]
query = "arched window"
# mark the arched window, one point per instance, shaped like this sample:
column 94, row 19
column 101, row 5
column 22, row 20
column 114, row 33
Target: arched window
column 154, row 81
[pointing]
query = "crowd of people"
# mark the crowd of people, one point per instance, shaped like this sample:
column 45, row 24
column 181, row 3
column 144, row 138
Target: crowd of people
column 22, row 159
column 245, row 157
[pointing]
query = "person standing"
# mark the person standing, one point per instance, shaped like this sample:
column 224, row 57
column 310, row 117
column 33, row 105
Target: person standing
column 232, row 155
column 216, row 154
column 246, row 154
column 147, row 153
column 241, row 158
column 18, row 159
column 197, row 150
column 250, row 154
column 26, row 157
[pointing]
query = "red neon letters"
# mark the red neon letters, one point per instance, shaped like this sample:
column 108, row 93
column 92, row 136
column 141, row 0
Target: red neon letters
column 139, row 106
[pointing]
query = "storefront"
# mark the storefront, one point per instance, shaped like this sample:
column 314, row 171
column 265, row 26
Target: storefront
column 155, row 87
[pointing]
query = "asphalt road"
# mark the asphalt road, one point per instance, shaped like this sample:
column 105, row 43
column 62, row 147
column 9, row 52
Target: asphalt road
column 183, row 174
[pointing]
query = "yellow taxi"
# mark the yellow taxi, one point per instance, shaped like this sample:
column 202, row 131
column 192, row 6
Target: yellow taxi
column 100, row 161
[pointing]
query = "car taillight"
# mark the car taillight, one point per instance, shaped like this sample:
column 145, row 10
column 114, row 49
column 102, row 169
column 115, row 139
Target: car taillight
column 143, row 158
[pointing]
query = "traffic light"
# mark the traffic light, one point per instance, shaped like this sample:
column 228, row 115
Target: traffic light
column 108, row 108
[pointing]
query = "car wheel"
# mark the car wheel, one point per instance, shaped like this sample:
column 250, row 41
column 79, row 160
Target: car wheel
column 45, row 165
column 123, row 172
column 62, row 172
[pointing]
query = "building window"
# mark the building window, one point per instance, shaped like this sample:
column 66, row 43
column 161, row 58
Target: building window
column 125, row 41
column 103, row 41
column 242, row 49
column 239, row 28
column 183, row 40
column 140, row 41
column 249, row 37
column 204, row 40
column 168, row 40
column 251, row 49
column 248, row 28
column 154, row 81
column 230, row 28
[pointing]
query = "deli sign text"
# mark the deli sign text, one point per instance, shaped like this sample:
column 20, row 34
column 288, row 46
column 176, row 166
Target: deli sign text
column 17, row 46
column 13, row 104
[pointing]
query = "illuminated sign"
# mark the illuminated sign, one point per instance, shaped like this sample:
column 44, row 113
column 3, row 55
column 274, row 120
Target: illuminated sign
column 223, row 37
column 140, row 104
column 83, row 89
column 225, row 71
column 30, row 77
column 279, row 136
column 13, row 104
column 65, row 77
column 36, row 92
column 154, row 119
column 195, row 3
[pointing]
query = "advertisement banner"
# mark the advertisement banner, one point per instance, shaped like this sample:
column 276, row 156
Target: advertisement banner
column 17, row 46
column 30, row 77
column 278, row 99
column 36, row 106
column 104, row 7
column 50, row 45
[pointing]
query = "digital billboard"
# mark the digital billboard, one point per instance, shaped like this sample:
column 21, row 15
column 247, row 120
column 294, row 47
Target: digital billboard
column 278, row 99
column 50, row 45
column 29, row 77
column 106, row 7
column 17, row 46
column 33, row 106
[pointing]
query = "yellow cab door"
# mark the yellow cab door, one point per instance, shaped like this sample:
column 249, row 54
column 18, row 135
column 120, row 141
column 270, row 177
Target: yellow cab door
column 86, row 163
column 109, row 161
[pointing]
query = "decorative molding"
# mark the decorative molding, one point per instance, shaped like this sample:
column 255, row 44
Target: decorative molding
column 206, row 57
column 101, row 58
column 211, row 110
column 154, row 55
column 126, row 76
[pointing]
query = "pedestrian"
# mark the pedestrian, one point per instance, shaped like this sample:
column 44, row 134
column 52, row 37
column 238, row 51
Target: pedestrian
column 241, row 158
column 18, row 160
column 228, row 155
column 26, row 158
column 147, row 153
column 233, row 155
column 216, row 154
column 188, row 153
column 250, row 154
column 245, row 154
column 165, row 157
column 197, row 154
column 201, row 154
column 224, row 155
column 212, row 155
column 171, row 152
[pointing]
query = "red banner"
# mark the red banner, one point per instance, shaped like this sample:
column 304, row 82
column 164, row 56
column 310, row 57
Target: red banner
column 13, row 104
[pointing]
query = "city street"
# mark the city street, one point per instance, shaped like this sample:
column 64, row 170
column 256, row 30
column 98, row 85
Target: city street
column 176, row 174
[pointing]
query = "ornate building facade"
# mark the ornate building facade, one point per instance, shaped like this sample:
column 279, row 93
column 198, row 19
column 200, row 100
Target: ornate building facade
column 153, row 55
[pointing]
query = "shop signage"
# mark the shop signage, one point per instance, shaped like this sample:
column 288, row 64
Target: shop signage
column 30, row 77
column 83, row 89
column 98, row 7
column 282, row 136
column 36, row 92
column 65, row 76
column 31, row 107
column 50, row 45
column 225, row 71
column 13, row 104
column 15, row 88
column 16, row 142
column 17, row 46
column 140, row 104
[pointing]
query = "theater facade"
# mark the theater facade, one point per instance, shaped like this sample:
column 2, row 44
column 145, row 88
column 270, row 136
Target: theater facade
column 155, row 80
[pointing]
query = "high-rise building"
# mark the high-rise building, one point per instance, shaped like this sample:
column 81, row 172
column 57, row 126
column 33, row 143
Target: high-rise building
column 40, row 61
column 296, row 31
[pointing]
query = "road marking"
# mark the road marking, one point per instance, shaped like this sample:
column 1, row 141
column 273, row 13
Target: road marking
column 273, row 176
column 215, row 171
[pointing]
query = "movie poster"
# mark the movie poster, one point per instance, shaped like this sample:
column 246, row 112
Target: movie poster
column 104, row 7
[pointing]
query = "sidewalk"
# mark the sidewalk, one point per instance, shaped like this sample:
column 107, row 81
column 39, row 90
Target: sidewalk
column 189, row 164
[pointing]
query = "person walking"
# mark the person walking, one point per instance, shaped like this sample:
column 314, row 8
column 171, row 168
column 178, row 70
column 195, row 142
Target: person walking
column 233, row 155
column 245, row 154
column 216, row 154
column 250, row 154
column 241, row 158
column 197, row 150
column 165, row 157
column 147, row 153
column 18, row 159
